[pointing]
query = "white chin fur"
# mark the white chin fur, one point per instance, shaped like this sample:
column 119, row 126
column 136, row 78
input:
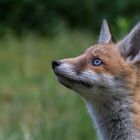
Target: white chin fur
column 92, row 78
column 89, row 84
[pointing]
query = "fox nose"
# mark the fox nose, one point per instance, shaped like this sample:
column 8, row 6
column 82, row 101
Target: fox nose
column 55, row 63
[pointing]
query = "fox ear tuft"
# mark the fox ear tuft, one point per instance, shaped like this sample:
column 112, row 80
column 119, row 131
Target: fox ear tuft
column 105, row 35
column 130, row 45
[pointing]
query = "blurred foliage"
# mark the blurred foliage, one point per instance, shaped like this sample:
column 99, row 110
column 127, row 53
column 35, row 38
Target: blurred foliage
column 33, row 105
column 50, row 16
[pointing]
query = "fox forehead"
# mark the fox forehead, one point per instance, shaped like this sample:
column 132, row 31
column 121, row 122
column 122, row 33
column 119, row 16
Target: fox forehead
column 107, row 50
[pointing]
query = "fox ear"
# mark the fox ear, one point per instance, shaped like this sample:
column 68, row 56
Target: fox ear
column 105, row 35
column 130, row 45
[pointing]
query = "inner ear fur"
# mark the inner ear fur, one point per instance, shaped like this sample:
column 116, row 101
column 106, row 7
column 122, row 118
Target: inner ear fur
column 105, row 36
column 130, row 45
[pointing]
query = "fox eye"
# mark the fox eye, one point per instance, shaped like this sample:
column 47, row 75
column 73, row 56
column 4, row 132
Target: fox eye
column 96, row 62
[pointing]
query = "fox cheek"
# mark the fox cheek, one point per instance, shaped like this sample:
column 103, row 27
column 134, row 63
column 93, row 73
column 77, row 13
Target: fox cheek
column 80, row 68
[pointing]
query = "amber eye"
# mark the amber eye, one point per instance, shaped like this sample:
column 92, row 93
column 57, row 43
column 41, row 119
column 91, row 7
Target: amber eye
column 96, row 62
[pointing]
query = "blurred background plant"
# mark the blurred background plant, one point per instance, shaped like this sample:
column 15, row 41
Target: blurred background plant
column 49, row 17
column 33, row 105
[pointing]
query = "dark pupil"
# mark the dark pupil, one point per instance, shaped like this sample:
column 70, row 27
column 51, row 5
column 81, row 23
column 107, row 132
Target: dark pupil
column 97, row 62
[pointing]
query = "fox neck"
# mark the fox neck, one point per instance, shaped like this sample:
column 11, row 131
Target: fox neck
column 113, row 117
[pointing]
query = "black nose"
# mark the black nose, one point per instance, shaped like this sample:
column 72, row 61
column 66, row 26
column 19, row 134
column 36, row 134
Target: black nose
column 55, row 63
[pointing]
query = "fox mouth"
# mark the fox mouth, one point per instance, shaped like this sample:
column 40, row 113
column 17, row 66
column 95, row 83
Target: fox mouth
column 69, row 82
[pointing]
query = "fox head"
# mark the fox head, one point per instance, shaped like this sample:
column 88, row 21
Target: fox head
column 104, row 67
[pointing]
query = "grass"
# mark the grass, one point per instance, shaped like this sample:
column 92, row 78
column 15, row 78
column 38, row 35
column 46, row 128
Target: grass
column 33, row 105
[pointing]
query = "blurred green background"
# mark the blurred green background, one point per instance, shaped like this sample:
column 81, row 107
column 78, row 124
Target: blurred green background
column 33, row 105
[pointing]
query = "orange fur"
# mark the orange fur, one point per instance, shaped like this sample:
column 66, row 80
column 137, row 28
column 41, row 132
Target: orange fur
column 114, row 64
column 112, row 88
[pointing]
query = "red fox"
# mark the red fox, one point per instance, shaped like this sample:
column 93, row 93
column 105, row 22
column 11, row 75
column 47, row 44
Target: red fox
column 107, row 76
